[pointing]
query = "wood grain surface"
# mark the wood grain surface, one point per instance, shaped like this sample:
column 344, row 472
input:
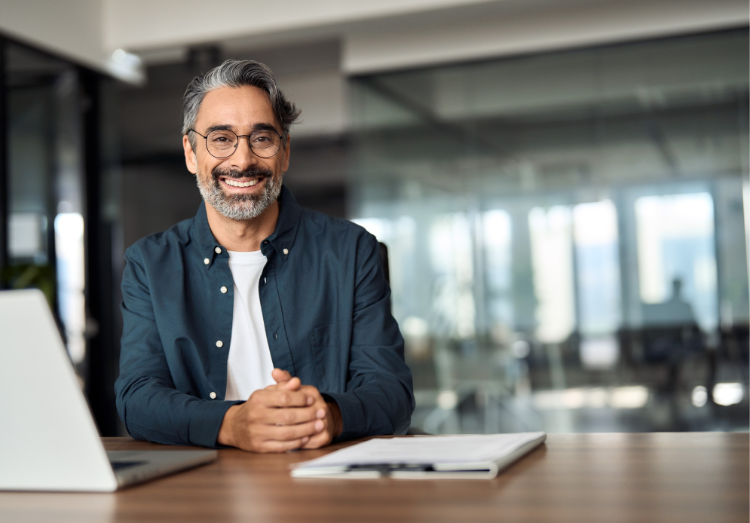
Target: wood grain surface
column 675, row 477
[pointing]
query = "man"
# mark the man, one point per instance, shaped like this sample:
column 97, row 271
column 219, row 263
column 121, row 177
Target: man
column 256, row 324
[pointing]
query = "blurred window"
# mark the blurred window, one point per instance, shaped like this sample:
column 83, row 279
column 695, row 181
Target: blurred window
column 46, row 249
column 566, row 232
column 676, row 258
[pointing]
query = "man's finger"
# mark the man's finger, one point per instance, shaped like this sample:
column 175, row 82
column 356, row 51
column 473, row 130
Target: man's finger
column 282, row 446
column 292, row 384
column 313, row 392
column 292, row 416
column 282, row 398
column 318, row 440
column 280, row 375
column 292, row 432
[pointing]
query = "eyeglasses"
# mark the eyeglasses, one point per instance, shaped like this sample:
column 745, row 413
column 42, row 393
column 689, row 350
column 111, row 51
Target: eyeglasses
column 222, row 143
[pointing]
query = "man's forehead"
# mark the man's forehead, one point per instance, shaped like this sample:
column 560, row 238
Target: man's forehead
column 236, row 106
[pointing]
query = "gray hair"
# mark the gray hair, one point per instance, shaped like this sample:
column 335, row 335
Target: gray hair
column 237, row 73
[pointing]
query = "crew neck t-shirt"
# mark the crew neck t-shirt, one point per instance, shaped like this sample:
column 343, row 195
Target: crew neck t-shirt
column 249, row 366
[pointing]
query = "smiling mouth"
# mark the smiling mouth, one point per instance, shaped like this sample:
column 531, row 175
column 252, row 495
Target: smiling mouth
column 236, row 183
column 242, row 181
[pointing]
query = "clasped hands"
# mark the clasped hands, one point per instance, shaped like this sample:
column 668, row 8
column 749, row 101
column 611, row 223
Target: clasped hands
column 281, row 417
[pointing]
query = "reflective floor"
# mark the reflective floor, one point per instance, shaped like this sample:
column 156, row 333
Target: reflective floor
column 478, row 414
column 705, row 390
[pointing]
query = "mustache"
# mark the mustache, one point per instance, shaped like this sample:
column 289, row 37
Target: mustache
column 251, row 172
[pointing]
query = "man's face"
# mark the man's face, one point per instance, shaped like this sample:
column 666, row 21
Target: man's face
column 243, row 185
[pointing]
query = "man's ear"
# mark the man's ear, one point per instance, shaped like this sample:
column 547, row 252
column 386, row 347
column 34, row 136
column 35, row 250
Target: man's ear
column 287, row 152
column 191, row 161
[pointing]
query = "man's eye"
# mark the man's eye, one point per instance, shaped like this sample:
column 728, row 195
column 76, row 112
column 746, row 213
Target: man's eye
column 221, row 138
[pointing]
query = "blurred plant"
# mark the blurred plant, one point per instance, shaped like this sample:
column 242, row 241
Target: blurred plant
column 30, row 276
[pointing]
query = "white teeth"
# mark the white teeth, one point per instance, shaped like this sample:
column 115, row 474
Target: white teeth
column 234, row 183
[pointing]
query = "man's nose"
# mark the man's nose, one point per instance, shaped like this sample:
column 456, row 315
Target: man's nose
column 243, row 157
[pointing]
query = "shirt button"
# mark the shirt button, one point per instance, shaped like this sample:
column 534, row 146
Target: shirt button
column 217, row 250
column 224, row 290
column 219, row 343
column 275, row 336
column 212, row 395
column 286, row 251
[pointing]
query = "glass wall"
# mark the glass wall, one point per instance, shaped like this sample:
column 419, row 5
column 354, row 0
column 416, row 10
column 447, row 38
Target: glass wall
column 61, row 175
column 566, row 234
column 46, row 242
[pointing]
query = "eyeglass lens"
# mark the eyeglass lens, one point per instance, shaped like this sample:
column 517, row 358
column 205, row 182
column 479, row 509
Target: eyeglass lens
column 223, row 143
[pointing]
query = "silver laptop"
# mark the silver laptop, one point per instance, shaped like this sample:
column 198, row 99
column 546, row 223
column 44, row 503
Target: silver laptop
column 48, row 440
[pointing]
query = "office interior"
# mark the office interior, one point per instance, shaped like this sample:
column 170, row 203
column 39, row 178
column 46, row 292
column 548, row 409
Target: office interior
column 563, row 190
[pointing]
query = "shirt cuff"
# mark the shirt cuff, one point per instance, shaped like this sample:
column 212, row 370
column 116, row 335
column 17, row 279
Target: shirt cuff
column 352, row 415
column 205, row 422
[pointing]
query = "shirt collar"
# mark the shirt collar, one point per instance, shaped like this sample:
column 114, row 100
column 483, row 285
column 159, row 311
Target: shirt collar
column 281, row 240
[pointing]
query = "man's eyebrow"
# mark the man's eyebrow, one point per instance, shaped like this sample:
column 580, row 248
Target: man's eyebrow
column 256, row 127
column 222, row 127
column 264, row 127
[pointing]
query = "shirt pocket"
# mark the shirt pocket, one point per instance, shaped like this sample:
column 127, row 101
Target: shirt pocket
column 329, row 357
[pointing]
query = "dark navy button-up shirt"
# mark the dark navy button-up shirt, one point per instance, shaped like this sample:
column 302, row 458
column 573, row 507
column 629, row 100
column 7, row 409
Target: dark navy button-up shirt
column 326, row 311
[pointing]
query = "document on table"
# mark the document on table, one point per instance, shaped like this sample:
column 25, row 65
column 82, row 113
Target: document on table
column 450, row 457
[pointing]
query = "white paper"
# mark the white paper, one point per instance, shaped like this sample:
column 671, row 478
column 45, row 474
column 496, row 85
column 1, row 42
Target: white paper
column 426, row 450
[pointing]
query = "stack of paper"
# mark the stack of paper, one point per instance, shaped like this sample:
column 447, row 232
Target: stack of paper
column 471, row 456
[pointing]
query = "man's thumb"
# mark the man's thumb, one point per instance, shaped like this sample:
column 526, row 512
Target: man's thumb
column 280, row 375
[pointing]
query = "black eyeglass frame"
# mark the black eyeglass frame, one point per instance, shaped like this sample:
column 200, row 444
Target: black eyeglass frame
column 236, row 145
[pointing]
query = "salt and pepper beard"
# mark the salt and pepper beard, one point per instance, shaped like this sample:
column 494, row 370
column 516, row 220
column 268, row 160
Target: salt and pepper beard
column 239, row 206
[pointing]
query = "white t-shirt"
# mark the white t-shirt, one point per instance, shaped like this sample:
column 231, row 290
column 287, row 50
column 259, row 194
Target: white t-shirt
column 250, row 365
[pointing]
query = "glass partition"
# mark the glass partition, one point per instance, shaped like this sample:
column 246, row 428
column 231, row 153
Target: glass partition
column 46, row 231
column 566, row 234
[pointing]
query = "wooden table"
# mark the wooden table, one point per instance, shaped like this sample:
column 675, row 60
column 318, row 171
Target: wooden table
column 603, row 478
